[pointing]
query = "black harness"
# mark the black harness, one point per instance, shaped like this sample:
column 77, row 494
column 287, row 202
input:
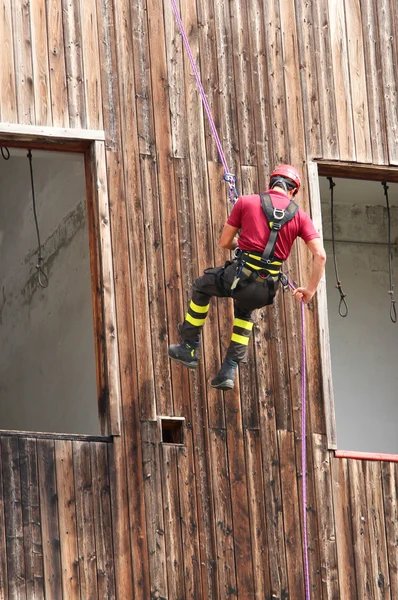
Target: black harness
column 277, row 218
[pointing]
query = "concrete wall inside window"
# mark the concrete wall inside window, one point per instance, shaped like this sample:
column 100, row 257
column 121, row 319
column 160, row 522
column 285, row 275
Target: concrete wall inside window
column 47, row 364
column 364, row 345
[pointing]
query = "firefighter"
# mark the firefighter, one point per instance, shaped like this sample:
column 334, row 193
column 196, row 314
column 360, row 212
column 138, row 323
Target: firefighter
column 268, row 223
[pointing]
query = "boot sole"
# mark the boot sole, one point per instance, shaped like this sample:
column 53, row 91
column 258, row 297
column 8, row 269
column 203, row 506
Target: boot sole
column 225, row 385
column 190, row 365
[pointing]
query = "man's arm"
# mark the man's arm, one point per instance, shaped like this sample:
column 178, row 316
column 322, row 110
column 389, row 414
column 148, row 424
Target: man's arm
column 306, row 293
column 228, row 239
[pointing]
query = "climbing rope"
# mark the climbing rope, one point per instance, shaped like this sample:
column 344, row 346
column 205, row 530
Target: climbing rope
column 233, row 195
column 343, row 308
column 393, row 309
column 229, row 177
column 41, row 276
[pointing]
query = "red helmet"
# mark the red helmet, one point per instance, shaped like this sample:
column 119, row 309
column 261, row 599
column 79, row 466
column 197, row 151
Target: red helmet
column 288, row 171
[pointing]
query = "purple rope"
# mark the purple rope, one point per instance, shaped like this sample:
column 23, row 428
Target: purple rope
column 304, row 448
column 213, row 128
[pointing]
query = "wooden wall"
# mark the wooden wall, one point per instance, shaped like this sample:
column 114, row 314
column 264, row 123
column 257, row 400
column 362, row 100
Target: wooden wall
column 287, row 81
column 55, row 519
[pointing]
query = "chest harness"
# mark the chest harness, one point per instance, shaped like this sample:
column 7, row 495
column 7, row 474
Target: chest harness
column 260, row 266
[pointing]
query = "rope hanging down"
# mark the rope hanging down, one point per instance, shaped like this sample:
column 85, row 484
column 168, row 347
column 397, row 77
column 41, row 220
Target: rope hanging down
column 393, row 309
column 343, row 308
column 229, row 177
column 41, row 276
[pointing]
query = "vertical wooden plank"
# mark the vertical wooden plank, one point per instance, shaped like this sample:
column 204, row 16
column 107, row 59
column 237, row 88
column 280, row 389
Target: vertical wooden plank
column 172, row 523
column 223, row 515
column 360, row 531
column 128, row 503
column 8, row 100
column 261, row 105
column 226, row 85
column 293, row 92
column 377, row 531
column 74, row 63
column 389, row 78
column 309, row 79
column 344, row 540
column 358, row 87
column 322, row 318
column 120, row 516
column 327, row 528
column 240, row 47
column 273, row 494
column 389, row 474
column 23, row 61
column 49, row 519
column 291, row 515
column 373, row 58
column 239, row 497
column 91, row 64
column 3, row 537
column 41, row 74
column 56, row 54
column 31, row 518
column 154, row 509
column 102, row 521
column 13, row 519
column 98, row 168
column 258, row 523
column 190, row 521
column 85, row 520
column 326, row 84
column 67, row 519
column 339, row 58
column 276, row 83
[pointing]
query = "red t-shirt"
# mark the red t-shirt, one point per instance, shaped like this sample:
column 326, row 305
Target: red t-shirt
column 248, row 215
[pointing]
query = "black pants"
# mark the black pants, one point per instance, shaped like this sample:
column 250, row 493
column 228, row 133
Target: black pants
column 249, row 295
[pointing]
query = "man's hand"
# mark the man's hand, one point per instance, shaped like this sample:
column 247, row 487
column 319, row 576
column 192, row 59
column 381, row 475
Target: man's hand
column 303, row 294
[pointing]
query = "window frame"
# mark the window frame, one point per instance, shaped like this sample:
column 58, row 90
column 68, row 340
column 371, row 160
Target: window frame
column 328, row 168
column 91, row 144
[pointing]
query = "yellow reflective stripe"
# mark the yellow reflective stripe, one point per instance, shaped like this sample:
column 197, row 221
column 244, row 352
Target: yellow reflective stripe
column 255, row 267
column 193, row 321
column 243, row 324
column 274, row 262
column 197, row 308
column 240, row 339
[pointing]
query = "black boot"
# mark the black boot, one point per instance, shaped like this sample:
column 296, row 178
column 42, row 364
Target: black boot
column 185, row 353
column 225, row 380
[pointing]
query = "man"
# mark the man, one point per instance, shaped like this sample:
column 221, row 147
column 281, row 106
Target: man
column 252, row 278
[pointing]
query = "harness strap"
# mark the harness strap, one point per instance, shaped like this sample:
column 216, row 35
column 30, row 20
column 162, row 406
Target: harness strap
column 277, row 218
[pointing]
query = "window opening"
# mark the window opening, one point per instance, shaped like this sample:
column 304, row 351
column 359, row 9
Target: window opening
column 364, row 345
column 48, row 378
column 172, row 430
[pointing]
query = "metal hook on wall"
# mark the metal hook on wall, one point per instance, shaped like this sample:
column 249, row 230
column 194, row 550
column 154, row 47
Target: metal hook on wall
column 41, row 276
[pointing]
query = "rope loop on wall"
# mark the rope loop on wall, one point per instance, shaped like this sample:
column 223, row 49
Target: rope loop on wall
column 41, row 276
column 393, row 309
column 5, row 153
column 343, row 307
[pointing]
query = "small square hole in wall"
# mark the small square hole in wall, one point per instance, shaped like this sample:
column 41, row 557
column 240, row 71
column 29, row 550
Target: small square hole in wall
column 172, row 430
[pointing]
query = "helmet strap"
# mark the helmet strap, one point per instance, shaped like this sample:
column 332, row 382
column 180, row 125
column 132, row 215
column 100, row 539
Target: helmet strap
column 280, row 182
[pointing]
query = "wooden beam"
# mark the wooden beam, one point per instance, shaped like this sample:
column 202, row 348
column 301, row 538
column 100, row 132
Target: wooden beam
column 74, row 437
column 351, row 170
column 13, row 131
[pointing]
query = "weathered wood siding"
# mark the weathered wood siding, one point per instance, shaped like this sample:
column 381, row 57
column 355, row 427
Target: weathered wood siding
column 55, row 519
column 220, row 517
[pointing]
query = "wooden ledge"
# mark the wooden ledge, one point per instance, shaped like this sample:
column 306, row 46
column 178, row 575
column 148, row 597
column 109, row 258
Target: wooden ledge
column 49, row 138
column 366, row 456
column 74, row 437
column 348, row 170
